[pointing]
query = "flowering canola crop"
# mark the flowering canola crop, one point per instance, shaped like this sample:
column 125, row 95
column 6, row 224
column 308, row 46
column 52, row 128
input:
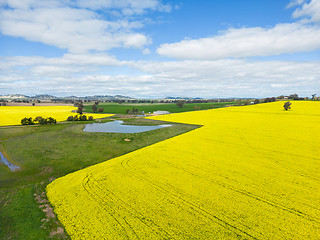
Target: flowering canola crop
column 249, row 172
column 12, row 115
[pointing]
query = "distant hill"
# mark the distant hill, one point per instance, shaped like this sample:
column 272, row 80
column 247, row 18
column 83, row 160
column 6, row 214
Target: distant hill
column 47, row 97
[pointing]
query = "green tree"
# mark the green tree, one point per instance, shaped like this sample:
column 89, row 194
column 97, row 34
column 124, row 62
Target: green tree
column 180, row 103
column 100, row 110
column 83, row 118
column 27, row 121
column 70, row 118
column 287, row 105
column 51, row 120
column 40, row 120
column 80, row 108
column 94, row 108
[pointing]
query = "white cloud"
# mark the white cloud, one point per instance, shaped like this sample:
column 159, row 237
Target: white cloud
column 88, row 75
column 247, row 42
column 311, row 10
column 295, row 3
column 146, row 51
column 73, row 25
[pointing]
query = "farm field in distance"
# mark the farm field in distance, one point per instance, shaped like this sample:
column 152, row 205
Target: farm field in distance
column 12, row 115
column 148, row 107
column 249, row 172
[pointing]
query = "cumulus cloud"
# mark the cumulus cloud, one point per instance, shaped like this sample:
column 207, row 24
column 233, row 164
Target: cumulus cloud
column 74, row 25
column 247, row 42
column 83, row 75
column 284, row 38
column 310, row 10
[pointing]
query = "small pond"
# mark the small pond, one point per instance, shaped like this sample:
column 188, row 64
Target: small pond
column 10, row 165
column 117, row 127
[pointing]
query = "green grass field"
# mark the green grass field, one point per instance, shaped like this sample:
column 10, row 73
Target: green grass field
column 51, row 151
column 171, row 107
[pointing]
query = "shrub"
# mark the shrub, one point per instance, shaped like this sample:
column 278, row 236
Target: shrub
column 90, row 118
column 287, row 105
column 100, row 110
column 51, row 120
column 27, row 121
column 83, row 118
column 70, row 118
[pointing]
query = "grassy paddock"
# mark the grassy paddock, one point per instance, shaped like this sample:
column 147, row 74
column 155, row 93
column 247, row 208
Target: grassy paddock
column 171, row 107
column 51, row 151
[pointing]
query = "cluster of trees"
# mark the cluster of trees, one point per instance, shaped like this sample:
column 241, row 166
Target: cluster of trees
column 95, row 108
column 133, row 111
column 80, row 117
column 38, row 120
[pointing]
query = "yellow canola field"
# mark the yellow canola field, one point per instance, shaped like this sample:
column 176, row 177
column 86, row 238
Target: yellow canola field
column 248, row 173
column 12, row 115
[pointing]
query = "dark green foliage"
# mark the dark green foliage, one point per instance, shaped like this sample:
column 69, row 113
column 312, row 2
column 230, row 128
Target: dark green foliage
column 80, row 108
column 94, row 108
column 27, row 121
column 256, row 101
column 287, row 105
column 180, row 103
column 100, row 110
column 83, row 118
column 70, row 118
column 80, row 117
column 51, row 120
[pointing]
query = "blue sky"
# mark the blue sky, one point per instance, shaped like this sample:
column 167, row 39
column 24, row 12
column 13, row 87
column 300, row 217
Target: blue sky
column 155, row 49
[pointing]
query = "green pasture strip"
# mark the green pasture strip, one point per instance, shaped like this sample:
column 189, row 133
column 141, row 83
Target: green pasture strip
column 20, row 216
column 56, row 150
column 171, row 107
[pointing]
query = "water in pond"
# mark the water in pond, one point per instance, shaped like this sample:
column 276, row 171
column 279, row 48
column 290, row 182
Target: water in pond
column 10, row 165
column 117, row 127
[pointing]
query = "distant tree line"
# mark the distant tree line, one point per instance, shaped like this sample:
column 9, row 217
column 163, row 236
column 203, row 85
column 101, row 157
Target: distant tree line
column 80, row 117
column 38, row 120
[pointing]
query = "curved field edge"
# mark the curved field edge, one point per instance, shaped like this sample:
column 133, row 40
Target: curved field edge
column 249, row 172
column 12, row 115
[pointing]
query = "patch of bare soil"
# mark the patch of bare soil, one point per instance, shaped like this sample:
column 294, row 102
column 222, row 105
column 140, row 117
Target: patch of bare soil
column 50, row 222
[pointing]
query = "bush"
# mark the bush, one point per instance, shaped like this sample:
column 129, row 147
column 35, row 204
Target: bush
column 27, row 121
column 51, row 120
column 100, row 110
column 287, row 106
column 94, row 107
column 40, row 120
column 90, row 118
column 83, row 118
column 180, row 103
column 70, row 118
